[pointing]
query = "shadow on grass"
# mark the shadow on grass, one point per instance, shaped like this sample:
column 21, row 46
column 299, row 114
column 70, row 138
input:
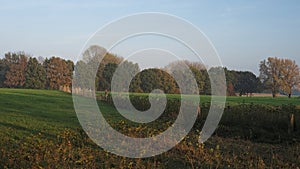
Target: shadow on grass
column 16, row 127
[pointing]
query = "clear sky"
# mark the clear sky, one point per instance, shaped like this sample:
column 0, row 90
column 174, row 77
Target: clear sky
column 243, row 32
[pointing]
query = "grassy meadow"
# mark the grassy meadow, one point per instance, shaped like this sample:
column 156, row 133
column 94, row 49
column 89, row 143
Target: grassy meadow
column 39, row 129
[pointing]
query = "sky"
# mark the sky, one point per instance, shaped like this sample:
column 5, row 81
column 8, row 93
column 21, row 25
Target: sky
column 243, row 32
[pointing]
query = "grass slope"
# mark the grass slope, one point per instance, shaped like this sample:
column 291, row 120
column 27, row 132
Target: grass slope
column 24, row 112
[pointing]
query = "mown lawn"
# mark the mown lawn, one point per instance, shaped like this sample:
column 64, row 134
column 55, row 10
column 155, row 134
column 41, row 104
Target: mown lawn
column 25, row 112
column 234, row 100
column 278, row 101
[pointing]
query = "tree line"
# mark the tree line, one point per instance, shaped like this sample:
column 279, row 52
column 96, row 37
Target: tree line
column 18, row 70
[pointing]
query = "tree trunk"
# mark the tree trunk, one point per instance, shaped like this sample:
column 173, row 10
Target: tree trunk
column 290, row 95
column 291, row 123
column 273, row 95
column 199, row 112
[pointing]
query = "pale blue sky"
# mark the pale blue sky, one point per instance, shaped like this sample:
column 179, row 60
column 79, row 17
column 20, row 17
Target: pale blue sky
column 243, row 32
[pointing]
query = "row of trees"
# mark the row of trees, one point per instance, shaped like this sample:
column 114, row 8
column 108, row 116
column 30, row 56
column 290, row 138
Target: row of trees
column 242, row 82
column 276, row 75
column 18, row 70
column 146, row 80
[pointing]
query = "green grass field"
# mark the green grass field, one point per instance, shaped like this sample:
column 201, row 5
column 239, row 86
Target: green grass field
column 24, row 112
column 264, row 100
column 234, row 100
column 38, row 126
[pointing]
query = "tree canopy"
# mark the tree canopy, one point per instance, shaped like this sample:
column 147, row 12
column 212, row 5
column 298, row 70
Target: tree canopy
column 98, row 67
column 279, row 75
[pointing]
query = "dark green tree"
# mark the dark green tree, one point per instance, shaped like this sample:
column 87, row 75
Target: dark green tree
column 135, row 84
column 206, row 87
column 35, row 75
column 247, row 83
column 3, row 70
column 108, row 73
column 151, row 79
column 199, row 78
